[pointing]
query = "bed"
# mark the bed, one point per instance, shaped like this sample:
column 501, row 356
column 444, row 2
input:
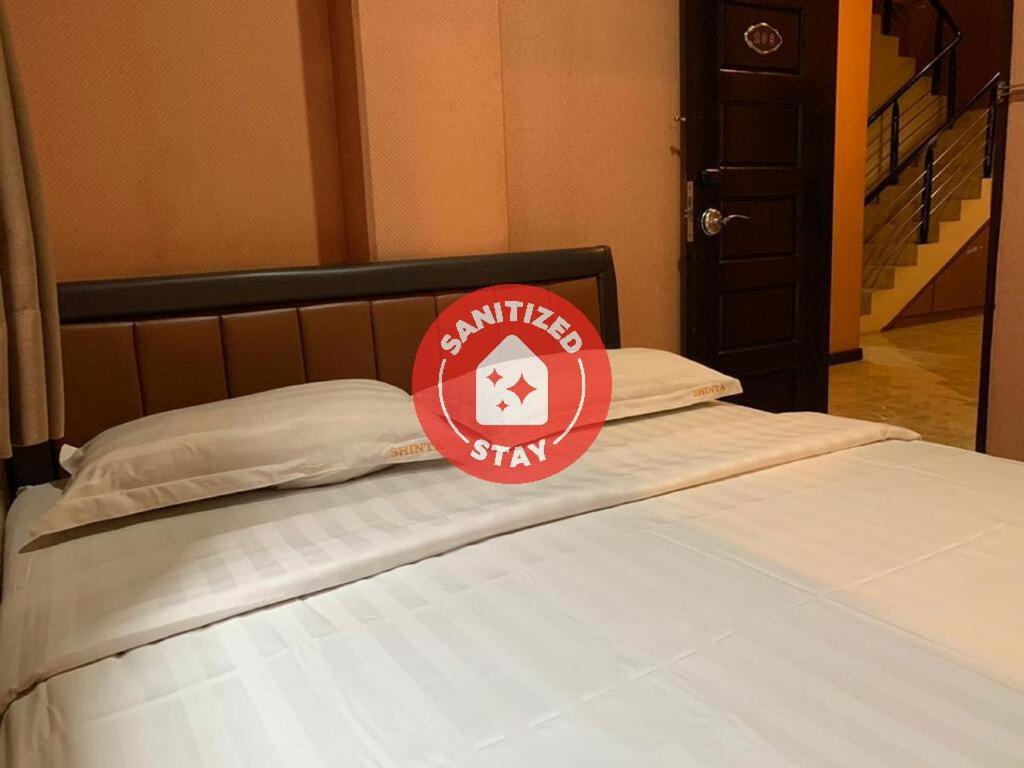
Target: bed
column 711, row 586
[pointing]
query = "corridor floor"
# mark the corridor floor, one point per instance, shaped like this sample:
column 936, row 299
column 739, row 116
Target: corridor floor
column 923, row 377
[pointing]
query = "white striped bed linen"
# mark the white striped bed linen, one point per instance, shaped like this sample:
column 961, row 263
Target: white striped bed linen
column 735, row 623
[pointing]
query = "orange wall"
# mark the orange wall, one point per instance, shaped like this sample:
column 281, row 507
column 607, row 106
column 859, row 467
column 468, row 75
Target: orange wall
column 1006, row 382
column 591, row 89
column 432, row 101
column 854, row 68
column 190, row 135
column 529, row 124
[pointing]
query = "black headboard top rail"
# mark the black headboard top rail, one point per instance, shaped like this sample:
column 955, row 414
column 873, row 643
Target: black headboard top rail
column 105, row 300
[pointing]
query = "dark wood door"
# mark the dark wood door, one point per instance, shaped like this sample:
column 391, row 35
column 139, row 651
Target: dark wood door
column 759, row 93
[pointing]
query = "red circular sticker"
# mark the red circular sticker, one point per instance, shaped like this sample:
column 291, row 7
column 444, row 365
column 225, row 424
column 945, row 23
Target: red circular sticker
column 512, row 383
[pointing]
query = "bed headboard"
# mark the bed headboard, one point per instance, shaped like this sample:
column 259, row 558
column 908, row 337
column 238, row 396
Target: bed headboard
column 137, row 346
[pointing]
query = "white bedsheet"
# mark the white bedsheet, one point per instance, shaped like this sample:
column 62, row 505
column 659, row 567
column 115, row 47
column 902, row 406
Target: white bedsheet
column 795, row 614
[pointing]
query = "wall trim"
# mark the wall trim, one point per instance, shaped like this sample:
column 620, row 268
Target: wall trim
column 846, row 356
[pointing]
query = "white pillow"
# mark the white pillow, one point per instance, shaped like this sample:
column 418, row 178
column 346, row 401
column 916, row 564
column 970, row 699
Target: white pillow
column 646, row 381
column 652, row 380
column 309, row 434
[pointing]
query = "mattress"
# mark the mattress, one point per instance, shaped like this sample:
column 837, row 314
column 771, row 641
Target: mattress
column 714, row 587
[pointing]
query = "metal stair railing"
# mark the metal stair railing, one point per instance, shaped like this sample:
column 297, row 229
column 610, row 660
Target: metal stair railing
column 943, row 176
column 912, row 191
column 919, row 118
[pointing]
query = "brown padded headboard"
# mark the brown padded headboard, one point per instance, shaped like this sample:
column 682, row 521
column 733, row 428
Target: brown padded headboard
column 140, row 346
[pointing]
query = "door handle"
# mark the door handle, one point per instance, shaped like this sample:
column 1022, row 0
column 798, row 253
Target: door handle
column 712, row 221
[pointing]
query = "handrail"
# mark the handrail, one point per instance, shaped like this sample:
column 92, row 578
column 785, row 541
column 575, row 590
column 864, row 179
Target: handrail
column 912, row 156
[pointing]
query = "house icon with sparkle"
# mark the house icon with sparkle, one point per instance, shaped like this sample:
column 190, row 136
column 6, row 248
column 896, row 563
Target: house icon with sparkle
column 512, row 386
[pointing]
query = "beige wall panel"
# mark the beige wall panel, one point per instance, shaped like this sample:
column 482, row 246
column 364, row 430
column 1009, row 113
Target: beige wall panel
column 1006, row 391
column 591, row 88
column 431, row 78
column 182, row 135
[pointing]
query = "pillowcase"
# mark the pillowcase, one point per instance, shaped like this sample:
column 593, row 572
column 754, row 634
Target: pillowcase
column 652, row 380
column 309, row 434
column 646, row 381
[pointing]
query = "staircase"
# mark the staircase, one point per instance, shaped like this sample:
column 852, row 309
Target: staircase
column 927, row 168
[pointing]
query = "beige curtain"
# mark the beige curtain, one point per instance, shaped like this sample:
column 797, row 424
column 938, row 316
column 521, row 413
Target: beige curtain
column 31, row 392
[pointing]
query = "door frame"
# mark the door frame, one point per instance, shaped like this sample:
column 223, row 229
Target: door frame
column 1001, row 118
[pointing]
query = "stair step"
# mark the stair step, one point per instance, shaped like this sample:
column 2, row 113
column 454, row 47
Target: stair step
column 896, row 191
column 972, row 189
column 879, row 277
column 887, row 255
column 865, row 301
column 949, row 211
column 883, row 251
column 891, row 231
column 970, row 122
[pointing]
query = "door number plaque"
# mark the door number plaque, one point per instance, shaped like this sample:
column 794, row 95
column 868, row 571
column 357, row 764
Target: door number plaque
column 763, row 38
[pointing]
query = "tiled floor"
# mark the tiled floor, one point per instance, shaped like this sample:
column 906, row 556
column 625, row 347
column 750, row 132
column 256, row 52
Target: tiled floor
column 924, row 377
